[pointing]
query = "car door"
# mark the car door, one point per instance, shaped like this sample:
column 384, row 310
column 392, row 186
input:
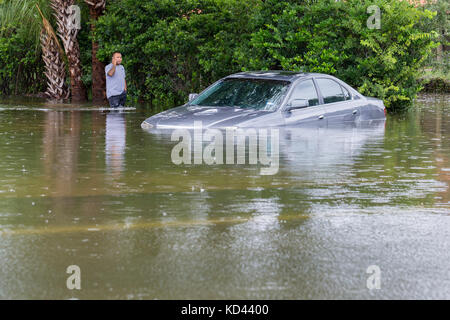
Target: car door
column 338, row 102
column 313, row 114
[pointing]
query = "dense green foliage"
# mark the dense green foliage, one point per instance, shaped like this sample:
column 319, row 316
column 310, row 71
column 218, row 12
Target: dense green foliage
column 440, row 62
column 21, row 66
column 21, row 69
column 333, row 37
column 172, row 48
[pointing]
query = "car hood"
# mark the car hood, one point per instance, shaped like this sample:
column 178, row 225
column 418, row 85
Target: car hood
column 210, row 117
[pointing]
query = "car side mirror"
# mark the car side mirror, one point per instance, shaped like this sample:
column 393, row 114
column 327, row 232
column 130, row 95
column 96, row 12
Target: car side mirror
column 192, row 96
column 298, row 104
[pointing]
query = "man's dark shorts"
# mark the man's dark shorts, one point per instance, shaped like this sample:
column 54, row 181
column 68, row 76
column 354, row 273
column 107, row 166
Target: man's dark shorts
column 118, row 101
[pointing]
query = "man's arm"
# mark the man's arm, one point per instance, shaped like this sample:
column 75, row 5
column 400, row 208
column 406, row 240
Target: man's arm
column 126, row 85
column 113, row 69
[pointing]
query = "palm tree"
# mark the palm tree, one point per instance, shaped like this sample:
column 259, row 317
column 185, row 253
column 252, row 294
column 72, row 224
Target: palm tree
column 55, row 68
column 20, row 16
column 96, row 9
column 63, row 14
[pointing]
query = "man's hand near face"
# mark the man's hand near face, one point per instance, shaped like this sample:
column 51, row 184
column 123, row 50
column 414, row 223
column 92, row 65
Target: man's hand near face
column 113, row 69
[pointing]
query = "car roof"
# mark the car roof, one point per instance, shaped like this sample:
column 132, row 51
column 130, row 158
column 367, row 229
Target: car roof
column 290, row 76
column 272, row 74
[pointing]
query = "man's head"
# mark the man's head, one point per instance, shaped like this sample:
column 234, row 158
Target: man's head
column 117, row 57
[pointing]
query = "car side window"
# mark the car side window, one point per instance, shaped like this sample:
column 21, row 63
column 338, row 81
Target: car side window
column 331, row 90
column 307, row 91
column 347, row 94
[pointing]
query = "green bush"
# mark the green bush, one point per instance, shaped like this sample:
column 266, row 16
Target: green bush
column 21, row 69
column 332, row 37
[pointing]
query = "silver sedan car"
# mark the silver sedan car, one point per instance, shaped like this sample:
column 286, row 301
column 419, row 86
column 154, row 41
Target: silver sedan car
column 271, row 99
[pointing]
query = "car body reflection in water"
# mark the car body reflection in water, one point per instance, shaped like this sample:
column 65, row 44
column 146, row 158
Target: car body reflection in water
column 313, row 150
column 310, row 149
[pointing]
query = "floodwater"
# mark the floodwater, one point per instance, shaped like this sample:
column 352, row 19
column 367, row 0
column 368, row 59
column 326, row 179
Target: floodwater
column 87, row 186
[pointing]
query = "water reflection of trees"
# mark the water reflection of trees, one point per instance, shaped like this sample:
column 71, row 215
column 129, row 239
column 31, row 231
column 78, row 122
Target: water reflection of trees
column 61, row 144
column 64, row 150
column 435, row 124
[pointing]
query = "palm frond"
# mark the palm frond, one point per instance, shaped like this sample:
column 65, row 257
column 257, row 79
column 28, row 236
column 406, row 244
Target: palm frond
column 49, row 30
column 20, row 16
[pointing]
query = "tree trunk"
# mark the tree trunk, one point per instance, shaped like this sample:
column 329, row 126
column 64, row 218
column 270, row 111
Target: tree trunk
column 55, row 68
column 68, row 34
column 96, row 9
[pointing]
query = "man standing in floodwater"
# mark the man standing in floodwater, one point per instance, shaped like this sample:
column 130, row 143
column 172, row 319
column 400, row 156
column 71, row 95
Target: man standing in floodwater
column 116, row 85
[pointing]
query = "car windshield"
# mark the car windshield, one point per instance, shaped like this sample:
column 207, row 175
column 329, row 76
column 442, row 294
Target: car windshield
column 259, row 94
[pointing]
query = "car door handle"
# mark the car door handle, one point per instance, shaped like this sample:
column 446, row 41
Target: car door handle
column 355, row 111
column 321, row 117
